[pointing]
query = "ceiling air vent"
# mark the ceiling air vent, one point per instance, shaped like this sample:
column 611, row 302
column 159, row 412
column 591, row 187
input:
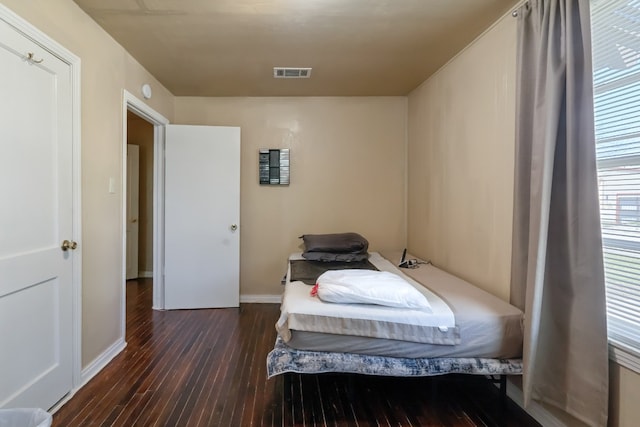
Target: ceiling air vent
column 291, row 73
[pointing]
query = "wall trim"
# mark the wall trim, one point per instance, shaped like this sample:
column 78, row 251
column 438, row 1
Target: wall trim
column 261, row 299
column 145, row 274
column 92, row 369
column 101, row 361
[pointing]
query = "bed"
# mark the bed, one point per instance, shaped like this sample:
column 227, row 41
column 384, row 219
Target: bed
column 469, row 332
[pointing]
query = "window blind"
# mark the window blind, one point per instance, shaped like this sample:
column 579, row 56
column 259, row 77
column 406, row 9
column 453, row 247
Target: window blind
column 616, row 78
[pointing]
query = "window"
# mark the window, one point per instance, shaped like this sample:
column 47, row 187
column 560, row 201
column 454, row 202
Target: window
column 616, row 67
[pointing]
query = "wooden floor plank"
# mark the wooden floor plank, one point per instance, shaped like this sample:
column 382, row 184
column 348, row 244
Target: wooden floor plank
column 207, row 368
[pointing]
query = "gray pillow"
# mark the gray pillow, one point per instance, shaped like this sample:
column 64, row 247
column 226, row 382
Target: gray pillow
column 335, row 257
column 344, row 243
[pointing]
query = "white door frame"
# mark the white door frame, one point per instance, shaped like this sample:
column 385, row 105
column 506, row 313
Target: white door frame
column 73, row 61
column 138, row 107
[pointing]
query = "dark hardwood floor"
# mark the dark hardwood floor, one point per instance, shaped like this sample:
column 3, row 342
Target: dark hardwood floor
column 207, row 368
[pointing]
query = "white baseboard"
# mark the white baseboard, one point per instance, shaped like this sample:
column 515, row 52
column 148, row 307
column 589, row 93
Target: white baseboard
column 261, row 299
column 62, row 401
column 145, row 274
column 101, row 361
column 537, row 411
column 92, row 370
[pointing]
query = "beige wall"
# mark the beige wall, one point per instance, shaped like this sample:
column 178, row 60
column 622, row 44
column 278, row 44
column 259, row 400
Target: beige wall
column 347, row 174
column 107, row 69
column 460, row 168
column 460, row 163
column 140, row 133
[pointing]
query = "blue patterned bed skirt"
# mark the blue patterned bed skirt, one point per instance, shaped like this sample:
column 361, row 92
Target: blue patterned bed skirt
column 283, row 359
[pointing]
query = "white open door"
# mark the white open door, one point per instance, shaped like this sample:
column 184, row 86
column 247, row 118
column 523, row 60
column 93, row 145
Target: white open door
column 202, row 214
column 36, row 224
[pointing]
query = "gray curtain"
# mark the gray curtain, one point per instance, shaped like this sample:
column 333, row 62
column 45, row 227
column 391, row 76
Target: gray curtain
column 557, row 273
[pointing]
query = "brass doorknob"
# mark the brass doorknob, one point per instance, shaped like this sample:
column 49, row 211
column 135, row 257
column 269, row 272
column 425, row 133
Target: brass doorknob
column 68, row 244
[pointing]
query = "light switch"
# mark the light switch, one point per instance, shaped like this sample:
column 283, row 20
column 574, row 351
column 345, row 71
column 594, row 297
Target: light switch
column 112, row 185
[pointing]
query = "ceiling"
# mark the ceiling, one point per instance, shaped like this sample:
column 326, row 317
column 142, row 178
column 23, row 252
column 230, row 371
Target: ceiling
column 355, row 47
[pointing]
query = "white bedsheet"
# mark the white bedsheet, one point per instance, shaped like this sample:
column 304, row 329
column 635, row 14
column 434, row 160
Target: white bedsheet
column 300, row 311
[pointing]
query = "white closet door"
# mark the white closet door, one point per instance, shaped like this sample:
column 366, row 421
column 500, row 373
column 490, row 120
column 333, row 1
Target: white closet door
column 35, row 218
column 202, row 214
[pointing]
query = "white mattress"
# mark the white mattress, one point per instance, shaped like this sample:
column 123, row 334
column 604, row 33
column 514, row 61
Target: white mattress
column 487, row 326
column 302, row 312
